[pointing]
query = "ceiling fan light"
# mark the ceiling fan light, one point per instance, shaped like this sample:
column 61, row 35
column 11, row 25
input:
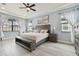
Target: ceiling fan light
column 28, row 8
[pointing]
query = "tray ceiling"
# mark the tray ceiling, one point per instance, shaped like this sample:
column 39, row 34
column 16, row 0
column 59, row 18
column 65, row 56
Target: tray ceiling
column 41, row 8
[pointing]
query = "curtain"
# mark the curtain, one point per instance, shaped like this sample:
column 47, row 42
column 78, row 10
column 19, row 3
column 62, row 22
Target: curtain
column 71, row 18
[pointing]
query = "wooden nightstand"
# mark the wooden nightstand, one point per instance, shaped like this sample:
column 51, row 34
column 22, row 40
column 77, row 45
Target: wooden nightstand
column 53, row 37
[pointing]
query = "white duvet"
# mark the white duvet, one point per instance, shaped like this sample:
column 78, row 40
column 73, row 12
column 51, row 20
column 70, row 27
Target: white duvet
column 35, row 36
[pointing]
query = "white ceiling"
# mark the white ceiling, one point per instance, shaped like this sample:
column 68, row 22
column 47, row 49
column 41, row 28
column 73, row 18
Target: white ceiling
column 41, row 8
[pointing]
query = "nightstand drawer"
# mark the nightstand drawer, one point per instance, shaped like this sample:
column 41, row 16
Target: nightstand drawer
column 53, row 37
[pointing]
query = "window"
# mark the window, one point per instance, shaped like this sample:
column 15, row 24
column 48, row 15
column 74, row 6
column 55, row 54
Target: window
column 10, row 26
column 6, row 27
column 65, row 27
column 66, row 22
column 30, row 29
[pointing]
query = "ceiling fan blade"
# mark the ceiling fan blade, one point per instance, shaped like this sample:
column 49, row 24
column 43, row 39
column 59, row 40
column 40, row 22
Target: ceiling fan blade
column 24, row 4
column 32, row 5
column 22, row 7
column 28, row 4
column 3, row 3
column 33, row 9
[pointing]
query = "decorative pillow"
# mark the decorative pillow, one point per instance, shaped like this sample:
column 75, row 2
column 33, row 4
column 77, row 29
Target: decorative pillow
column 45, row 31
column 42, row 31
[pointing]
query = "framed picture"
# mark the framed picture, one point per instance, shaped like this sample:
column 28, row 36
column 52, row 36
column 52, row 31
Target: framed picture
column 43, row 20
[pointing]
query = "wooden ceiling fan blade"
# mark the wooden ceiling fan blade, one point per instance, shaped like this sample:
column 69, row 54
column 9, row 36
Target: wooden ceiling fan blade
column 33, row 9
column 22, row 7
column 32, row 5
column 28, row 7
column 28, row 4
column 24, row 4
column 3, row 3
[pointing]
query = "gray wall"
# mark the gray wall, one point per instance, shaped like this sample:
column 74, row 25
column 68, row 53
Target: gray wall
column 54, row 20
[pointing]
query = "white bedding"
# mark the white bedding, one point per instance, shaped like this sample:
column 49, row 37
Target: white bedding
column 35, row 36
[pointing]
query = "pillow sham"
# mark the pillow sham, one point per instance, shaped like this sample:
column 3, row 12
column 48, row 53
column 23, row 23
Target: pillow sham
column 43, row 31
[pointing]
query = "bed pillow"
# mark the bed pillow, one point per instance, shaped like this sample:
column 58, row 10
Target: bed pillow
column 42, row 31
column 45, row 31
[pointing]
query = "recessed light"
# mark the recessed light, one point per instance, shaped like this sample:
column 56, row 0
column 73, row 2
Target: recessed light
column 2, row 8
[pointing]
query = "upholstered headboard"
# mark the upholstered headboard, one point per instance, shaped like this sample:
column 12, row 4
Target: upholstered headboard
column 44, row 27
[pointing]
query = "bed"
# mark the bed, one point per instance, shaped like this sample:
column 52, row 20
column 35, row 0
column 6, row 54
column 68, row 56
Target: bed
column 31, row 40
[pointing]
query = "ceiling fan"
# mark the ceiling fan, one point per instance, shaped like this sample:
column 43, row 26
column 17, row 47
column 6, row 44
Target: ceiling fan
column 3, row 3
column 28, row 7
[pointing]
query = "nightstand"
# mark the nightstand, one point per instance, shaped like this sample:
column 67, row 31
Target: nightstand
column 53, row 37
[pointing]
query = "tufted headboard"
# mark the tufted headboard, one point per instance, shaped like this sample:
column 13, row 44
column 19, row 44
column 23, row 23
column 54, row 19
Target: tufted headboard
column 44, row 27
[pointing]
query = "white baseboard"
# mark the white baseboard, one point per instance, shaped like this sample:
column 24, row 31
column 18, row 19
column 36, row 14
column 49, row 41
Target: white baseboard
column 65, row 42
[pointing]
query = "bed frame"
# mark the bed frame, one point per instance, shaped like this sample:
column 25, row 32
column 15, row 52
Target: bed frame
column 29, row 44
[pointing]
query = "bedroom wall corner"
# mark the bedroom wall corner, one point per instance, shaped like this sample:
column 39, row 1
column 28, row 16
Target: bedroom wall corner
column 55, row 21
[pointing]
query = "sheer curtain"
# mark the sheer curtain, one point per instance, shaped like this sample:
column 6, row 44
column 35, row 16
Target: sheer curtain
column 70, row 16
column 1, row 32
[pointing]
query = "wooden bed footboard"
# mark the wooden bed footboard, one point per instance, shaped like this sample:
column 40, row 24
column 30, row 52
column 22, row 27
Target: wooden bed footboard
column 29, row 45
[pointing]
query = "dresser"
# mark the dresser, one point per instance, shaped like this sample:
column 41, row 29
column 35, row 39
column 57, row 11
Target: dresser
column 53, row 37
